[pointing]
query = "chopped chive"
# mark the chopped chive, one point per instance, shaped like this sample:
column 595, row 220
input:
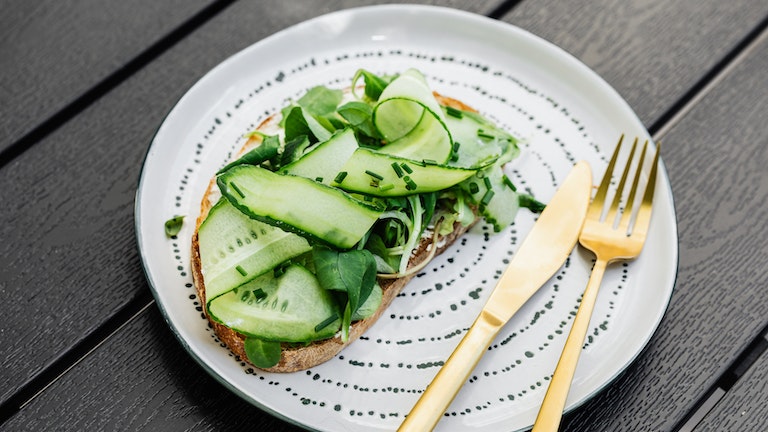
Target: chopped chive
column 340, row 177
column 453, row 112
column 531, row 203
column 386, row 187
column 241, row 271
column 398, row 170
column 374, row 175
column 319, row 179
column 509, row 183
column 487, row 181
column 406, row 168
column 429, row 162
column 483, row 134
column 237, row 189
column 374, row 183
column 259, row 293
column 474, row 188
column 487, row 197
column 409, row 184
column 455, row 151
column 279, row 270
column 326, row 322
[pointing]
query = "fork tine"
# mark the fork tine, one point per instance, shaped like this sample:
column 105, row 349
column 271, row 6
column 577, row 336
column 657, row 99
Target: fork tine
column 630, row 205
column 596, row 207
column 644, row 214
column 611, row 216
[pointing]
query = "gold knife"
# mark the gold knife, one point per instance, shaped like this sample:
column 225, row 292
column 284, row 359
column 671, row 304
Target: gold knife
column 542, row 253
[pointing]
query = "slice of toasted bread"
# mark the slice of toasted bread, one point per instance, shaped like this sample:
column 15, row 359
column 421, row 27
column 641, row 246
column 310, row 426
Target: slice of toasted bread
column 299, row 358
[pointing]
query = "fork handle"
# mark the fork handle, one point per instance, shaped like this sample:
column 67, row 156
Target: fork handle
column 551, row 411
column 449, row 379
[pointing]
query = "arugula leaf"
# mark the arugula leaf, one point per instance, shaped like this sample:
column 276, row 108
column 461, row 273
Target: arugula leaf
column 261, row 353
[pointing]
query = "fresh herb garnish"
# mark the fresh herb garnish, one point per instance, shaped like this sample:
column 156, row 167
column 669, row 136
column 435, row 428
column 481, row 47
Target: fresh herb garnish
column 173, row 226
column 261, row 353
column 352, row 272
column 374, row 84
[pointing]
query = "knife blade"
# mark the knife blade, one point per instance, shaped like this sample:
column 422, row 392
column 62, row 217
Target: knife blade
column 542, row 253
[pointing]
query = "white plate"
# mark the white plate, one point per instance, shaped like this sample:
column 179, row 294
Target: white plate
column 563, row 111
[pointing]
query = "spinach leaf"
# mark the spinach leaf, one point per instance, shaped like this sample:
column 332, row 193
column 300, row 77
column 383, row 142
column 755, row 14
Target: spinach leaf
column 359, row 116
column 320, row 100
column 294, row 149
column 385, row 262
column 261, row 353
column 299, row 122
column 352, row 272
column 261, row 153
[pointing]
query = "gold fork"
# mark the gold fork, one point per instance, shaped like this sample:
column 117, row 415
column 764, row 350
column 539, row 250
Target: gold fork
column 609, row 242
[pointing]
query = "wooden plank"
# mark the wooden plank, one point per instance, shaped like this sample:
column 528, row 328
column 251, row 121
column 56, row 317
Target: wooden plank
column 54, row 51
column 70, row 261
column 652, row 52
column 743, row 406
column 182, row 395
column 716, row 159
column 68, row 245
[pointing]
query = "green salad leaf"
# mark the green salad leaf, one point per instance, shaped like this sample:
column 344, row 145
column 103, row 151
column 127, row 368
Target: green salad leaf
column 173, row 225
column 261, row 353
column 374, row 84
column 352, row 272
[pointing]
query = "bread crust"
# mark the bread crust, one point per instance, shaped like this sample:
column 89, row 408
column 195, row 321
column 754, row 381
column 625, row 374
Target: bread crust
column 300, row 358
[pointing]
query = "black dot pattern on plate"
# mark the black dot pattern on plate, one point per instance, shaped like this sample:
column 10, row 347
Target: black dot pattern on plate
column 460, row 280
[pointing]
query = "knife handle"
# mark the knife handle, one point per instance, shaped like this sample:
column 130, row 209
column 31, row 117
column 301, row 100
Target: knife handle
column 442, row 390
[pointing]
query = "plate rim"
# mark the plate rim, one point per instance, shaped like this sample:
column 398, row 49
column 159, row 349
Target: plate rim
column 416, row 9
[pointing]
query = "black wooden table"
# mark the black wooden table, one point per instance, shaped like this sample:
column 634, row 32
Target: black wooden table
column 85, row 84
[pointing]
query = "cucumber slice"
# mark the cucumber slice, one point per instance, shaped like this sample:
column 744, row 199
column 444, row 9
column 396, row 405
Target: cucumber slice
column 325, row 159
column 379, row 174
column 497, row 201
column 290, row 308
column 410, row 119
column 235, row 249
column 298, row 204
column 470, row 150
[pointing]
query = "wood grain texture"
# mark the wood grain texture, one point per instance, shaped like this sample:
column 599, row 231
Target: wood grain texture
column 72, row 267
column 717, row 160
column 70, row 259
column 53, row 51
column 743, row 407
column 651, row 51
column 108, row 391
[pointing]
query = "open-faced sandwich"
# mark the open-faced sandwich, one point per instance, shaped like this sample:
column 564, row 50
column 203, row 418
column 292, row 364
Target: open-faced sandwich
column 307, row 236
